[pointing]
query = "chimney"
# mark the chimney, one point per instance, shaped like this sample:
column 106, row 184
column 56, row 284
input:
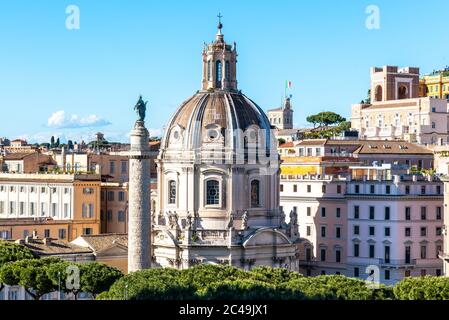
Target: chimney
column 34, row 234
column 47, row 241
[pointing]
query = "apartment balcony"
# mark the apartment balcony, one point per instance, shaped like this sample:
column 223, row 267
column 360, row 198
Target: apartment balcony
column 309, row 263
column 386, row 132
column 398, row 263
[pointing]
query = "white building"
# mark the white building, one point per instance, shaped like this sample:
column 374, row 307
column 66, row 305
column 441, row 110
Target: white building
column 394, row 224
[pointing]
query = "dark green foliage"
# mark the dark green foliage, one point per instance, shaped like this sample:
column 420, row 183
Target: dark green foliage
column 96, row 278
column 422, row 288
column 13, row 252
column 212, row 282
column 152, row 284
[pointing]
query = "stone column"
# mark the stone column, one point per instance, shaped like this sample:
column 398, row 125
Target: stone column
column 139, row 224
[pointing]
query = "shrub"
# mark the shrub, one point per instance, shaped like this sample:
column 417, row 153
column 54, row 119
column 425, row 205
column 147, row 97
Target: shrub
column 422, row 288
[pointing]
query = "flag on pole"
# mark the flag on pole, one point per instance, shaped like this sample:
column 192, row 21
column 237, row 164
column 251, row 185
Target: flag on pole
column 288, row 84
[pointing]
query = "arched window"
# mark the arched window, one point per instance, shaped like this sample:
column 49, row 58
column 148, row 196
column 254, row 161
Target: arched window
column 212, row 192
column 255, row 193
column 227, row 71
column 208, row 70
column 172, row 192
column 378, row 93
column 218, row 73
column 402, row 92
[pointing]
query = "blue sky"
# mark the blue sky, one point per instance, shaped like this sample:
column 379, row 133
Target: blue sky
column 73, row 83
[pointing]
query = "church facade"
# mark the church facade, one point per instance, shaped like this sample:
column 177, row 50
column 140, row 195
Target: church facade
column 218, row 178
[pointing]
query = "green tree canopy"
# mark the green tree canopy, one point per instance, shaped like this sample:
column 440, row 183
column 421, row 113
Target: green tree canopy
column 212, row 282
column 32, row 274
column 10, row 252
column 326, row 118
column 96, row 278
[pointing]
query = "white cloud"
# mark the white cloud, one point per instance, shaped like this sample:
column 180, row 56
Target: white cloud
column 60, row 120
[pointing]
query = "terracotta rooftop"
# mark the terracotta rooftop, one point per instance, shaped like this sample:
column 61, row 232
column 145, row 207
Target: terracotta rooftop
column 49, row 247
column 289, row 144
column 104, row 241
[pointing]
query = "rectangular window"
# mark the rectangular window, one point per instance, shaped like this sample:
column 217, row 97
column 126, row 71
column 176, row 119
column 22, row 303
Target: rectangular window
column 438, row 189
column 317, row 152
column 423, row 252
column 439, row 213
column 372, row 188
column 323, row 232
column 323, row 212
column 43, row 209
column 87, row 231
column 61, row 233
column 423, row 213
column 339, row 189
column 323, row 254
column 66, row 210
column 387, row 189
column 338, row 213
column 387, row 213
column 295, row 188
column 309, row 211
column 21, row 208
column 356, row 249
column 309, row 230
column 32, row 208
column 387, row 274
column 387, row 231
column 407, row 213
column 439, row 231
column 110, row 195
column 47, row 233
column 356, row 272
column 439, row 250
column 387, row 254
column 84, row 210
column 121, row 196
column 423, row 231
column 91, row 210
column 121, row 216
column 111, row 167
column 2, row 207
column 124, row 167
column 371, row 213
column 323, row 188
column 54, row 209
column 423, row 189
column 338, row 256
column 109, row 215
column 356, row 230
column 356, row 212
column 408, row 232
column 12, row 207
column 407, row 189
column 281, row 187
column 371, row 251
column 309, row 188
column 372, row 231
column 338, row 232
column 357, row 188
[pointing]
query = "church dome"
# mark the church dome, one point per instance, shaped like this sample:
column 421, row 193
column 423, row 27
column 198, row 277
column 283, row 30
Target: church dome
column 219, row 110
column 205, row 116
